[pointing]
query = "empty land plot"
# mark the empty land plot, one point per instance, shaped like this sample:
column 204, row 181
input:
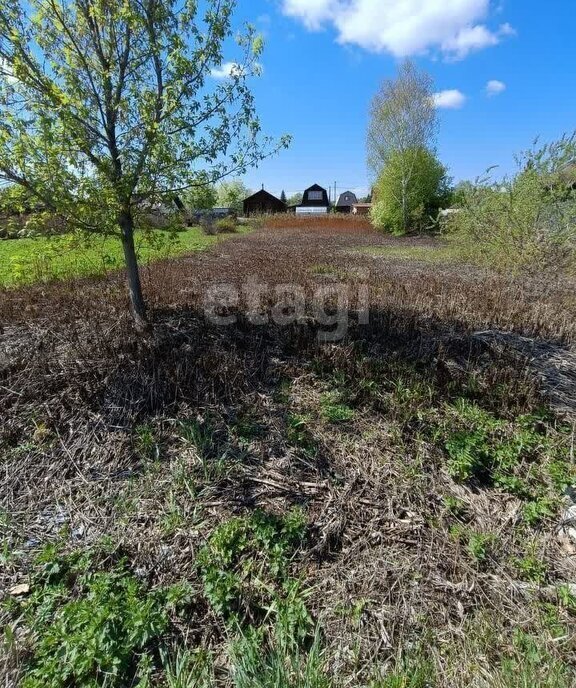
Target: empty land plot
column 253, row 503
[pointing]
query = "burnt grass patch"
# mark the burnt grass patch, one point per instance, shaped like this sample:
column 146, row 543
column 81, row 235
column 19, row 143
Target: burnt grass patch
column 382, row 508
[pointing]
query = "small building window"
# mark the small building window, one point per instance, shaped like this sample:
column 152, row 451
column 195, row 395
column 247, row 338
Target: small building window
column 315, row 195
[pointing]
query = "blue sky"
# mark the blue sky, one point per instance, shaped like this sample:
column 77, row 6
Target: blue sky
column 325, row 59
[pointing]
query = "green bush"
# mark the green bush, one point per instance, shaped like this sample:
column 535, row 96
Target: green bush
column 410, row 191
column 523, row 222
column 227, row 225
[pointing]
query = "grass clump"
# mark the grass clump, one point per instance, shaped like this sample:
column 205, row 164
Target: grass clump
column 334, row 410
column 244, row 565
column 90, row 625
column 413, row 671
column 278, row 660
column 524, row 456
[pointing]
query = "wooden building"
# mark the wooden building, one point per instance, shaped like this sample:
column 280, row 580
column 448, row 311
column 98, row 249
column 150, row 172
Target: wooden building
column 263, row 203
column 346, row 201
column 315, row 197
column 361, row 208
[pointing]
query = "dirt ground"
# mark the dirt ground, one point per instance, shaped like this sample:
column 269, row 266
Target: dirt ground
column 409, row 556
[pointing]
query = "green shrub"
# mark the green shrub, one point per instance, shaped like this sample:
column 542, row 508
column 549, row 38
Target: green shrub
column 227, row 225
column 523, row 222
column 409, row 192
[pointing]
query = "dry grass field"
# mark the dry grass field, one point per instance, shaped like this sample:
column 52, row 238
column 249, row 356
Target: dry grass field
column 258, row 505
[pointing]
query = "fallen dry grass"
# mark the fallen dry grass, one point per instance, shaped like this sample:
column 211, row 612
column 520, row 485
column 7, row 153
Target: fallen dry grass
column 153, row 442
column 331, row 222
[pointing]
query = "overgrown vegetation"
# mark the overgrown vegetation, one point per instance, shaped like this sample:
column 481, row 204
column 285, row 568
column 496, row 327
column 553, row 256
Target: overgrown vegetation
column 410, row 191
column 244, row 567
column 243, row 506
column 92, row 626
column 526, row 221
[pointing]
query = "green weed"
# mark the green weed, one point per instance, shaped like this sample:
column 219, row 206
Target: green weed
column 539, row 510
column 530, row 664
column 298, row 433
column 456, row 507
column 92, row 627
column 523, row 457
column 479, row 546
column 531, row 568
column 414, row 670
column 334, row 410
column 245, row 562
column 145, row 442
column 214, row 452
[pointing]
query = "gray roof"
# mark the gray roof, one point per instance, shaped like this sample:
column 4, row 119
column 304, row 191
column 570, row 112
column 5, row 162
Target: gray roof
column 346, row 199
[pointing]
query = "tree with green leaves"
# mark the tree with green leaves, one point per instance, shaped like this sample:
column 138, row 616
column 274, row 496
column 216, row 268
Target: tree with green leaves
column 283, row 196
column 416, row 205
column 525, row 221
column 231, row 194
column 201, row 197
column 295, row 199
column 403, row 123
column 108, row 108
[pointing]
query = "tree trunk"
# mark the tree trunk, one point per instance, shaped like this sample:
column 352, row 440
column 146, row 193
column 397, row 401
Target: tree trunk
column 404, row 204
column 137, row 305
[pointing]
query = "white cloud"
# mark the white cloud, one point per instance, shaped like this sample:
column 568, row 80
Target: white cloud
column 507, row 30
column 228, row 69
column 474, row 38
column 495, row 87
column 403, row 27
column 312, row 12
column 469, row 39
column 451, row 99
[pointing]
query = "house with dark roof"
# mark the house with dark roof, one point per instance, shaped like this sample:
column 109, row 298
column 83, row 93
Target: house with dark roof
column 345, row 202
column 315, row 196
column 263, row 203
column 314, row 200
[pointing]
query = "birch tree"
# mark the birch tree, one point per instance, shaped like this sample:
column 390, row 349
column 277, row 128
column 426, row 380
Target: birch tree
column 108, row 108
column 403, row 123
